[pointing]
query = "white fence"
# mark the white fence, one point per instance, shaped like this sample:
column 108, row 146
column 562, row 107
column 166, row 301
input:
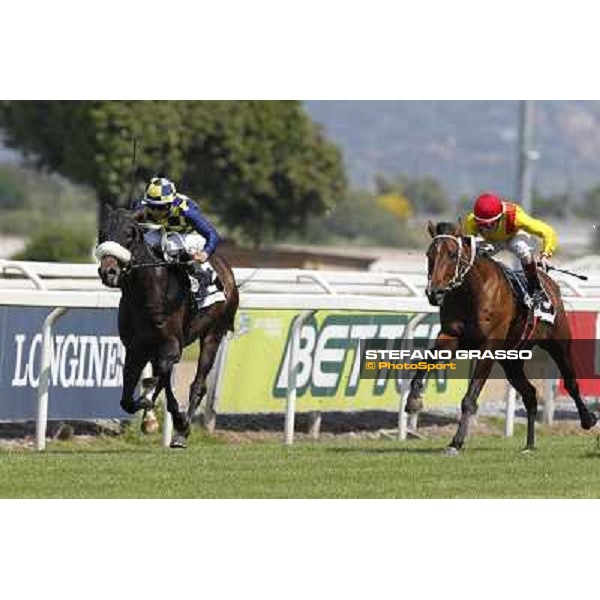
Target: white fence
column 67, row 286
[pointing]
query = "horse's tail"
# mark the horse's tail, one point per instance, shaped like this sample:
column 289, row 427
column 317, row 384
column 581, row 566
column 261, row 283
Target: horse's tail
column 230, row 289
column 233, row 301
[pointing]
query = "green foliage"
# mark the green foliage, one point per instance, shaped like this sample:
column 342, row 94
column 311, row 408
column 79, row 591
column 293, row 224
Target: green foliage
column 59, row 243
column 12, row 189
column 360, row 219
column 46, row 200
column 426, row 194
column 262, row 167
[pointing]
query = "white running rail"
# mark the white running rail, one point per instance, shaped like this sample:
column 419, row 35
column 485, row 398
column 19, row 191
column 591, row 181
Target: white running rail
column 69, row 286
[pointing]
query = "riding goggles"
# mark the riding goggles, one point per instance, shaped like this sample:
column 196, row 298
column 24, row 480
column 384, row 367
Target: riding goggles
column 159, row 206
column 488, row 225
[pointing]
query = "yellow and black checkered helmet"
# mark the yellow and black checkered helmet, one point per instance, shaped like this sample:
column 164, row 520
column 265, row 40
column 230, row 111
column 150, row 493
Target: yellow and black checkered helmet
column 159, row 193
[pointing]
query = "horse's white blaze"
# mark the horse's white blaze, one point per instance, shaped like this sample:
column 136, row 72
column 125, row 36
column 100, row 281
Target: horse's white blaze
column 112, row 249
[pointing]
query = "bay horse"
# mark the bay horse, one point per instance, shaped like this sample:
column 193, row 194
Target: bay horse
column 478, row 310
column 157, row 318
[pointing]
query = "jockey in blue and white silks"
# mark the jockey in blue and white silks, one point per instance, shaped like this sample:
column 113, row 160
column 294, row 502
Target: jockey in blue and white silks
column 164, row 207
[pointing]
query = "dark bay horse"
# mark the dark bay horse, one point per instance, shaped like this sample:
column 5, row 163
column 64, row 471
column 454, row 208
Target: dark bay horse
column 479, row 311
column 157, row 318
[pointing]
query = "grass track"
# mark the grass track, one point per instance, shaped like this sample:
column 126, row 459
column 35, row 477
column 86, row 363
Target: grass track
column 491, row 467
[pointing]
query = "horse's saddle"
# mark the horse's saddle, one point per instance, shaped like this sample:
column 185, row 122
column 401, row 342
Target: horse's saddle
column 518, row 283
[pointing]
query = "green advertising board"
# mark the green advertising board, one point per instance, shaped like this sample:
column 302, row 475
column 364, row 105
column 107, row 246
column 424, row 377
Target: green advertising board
column 256, row 369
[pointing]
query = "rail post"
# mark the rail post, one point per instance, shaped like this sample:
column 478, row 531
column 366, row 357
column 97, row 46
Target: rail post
column 511, row 402
column 215, row 385
column 290, row 408
column 314, row 424
column 44, row 383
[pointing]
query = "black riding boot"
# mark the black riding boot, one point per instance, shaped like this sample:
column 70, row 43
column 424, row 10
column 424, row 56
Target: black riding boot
column 534, row 287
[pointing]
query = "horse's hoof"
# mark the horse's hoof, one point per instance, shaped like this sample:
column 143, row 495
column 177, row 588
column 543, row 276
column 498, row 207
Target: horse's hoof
column 149, row 422
column 129, row 407
column 178, row 441
column 413, row 404
column 139, row 404
column 528, row 450
column 589, row 423
column 182, row 424
column 451, row 451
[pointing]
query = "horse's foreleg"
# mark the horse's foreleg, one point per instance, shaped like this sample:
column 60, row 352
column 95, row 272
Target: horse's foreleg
column 517, row 378
column 468, row 405
column 168, row 355
column 180, row 421
column 560, row 351
column 209, row 345
column 414, row 402
column 135, row 361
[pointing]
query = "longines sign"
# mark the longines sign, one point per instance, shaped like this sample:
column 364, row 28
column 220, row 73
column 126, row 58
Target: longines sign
column 86, row 364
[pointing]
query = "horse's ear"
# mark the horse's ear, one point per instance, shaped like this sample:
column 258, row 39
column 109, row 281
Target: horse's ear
column 461, row 229
column 431, row 228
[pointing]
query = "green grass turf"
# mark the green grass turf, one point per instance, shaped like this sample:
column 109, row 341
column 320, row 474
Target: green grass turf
column 491, row 467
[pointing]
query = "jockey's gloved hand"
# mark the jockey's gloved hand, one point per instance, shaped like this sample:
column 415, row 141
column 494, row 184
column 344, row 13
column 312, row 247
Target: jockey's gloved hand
column 484, row 249
column 544, row 258
column 201, row 256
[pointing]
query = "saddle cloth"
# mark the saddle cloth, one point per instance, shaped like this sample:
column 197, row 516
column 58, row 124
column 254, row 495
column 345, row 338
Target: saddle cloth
column 205, row 285
column 518, row 284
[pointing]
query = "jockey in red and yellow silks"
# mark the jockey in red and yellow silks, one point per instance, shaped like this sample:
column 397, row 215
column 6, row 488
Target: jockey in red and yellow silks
column 505, row 225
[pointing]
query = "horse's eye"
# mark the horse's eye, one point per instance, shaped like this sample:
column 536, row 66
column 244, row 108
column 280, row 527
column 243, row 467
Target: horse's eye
column 453, row 255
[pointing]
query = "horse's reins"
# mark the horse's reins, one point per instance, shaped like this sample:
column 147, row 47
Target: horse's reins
column 124, row 256
column 159, row 263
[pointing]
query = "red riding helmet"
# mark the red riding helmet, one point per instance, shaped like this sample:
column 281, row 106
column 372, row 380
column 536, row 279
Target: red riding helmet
column 488, row 208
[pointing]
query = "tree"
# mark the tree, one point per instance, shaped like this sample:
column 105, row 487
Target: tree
column 268, row 167
column 263, row 167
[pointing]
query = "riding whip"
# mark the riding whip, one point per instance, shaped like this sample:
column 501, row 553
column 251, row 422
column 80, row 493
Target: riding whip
column 133, row 169
column 566, row 272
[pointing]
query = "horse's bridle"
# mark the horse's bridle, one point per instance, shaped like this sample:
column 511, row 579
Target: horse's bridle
column 462, row 267
column 110, row 248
